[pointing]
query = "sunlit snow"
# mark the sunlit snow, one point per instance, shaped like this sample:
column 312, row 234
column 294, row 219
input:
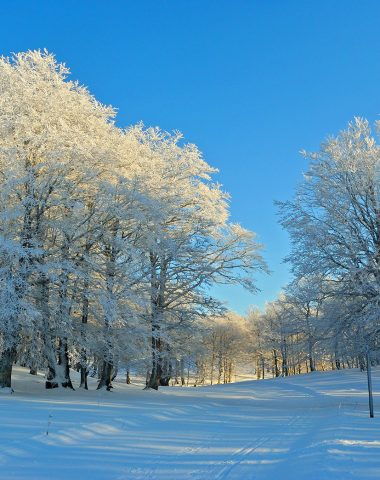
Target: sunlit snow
column 311, row 427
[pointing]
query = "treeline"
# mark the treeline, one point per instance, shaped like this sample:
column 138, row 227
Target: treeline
column 329, row 315
column 110, row 238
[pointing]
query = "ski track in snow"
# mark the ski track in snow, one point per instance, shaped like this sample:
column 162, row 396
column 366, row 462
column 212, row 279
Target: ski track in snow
column 240, row 455
column 310, row 427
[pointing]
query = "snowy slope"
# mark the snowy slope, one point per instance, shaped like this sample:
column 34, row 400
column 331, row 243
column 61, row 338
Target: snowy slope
column 314, row 426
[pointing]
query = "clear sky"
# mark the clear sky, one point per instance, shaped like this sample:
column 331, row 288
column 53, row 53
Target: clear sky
column 250, row 82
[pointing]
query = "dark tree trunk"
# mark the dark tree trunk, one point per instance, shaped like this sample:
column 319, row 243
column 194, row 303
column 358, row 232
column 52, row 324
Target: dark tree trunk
column 212, row 359
column 156, row 373
column 284, row 355
column 362, row 362
column 275, row 363
column 176, row 377
column 59, row 372
column 52, row 368
column 220, row 367
column 63, row 362
column 106, row 376
column 311, row 364
column 6, row 362
column 182, row 372
column 164, row 381
column 155, row 376
column 311, row 359
column 83, row 356
column 83, row 377
column 167, row 372
column 50, row 378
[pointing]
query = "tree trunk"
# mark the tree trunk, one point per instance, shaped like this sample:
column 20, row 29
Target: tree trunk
column 176, row 375
column 6, row 362
column 106, row 376
column 182, row 367
column 337, row 363
column 369, row 380
column 156, row 373
column 50, row 378
column 311, row 358
column 43, row 293
column 58, row 372
column 167, row 370
column 157, row 283
column 212, row 360
column 64, row 364
column 220, row 367
column 83, row 377
column 258, row 369
column 275, row 362
column 284, row 355
column 362, row 362
column 311, row 364
column 83, row 355
column 155, row 378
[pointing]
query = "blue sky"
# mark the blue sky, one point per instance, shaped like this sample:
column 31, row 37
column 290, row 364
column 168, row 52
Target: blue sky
column 250, row 82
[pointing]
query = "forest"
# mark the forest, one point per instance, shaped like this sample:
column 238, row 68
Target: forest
column 112, row 238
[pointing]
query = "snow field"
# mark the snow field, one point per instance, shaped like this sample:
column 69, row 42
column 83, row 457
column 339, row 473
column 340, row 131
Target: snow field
column 313, row 427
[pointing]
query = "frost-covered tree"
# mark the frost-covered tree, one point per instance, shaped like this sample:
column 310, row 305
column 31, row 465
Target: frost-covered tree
column 305, row 298
column 110, row 238
column 187, row 241
column 51, row 133
column 334, row 220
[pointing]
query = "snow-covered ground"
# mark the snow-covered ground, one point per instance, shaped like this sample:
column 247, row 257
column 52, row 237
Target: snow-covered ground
column 311, row 427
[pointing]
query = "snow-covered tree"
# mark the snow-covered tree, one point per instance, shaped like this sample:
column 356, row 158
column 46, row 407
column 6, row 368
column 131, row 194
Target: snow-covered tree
column 188, row 243
column 51, row 134
column 110, row 238
column 334, row 224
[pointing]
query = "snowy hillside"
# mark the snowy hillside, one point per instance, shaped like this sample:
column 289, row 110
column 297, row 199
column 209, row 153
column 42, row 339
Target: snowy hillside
column 311, row 427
